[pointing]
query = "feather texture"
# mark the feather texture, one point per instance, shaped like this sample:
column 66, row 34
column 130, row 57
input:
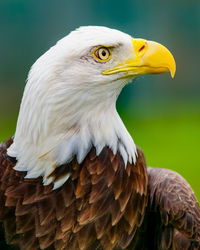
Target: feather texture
column 100, row 206
column 103, row 205
column 172, row 218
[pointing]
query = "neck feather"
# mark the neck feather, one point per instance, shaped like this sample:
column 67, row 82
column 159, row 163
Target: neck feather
column 52, row 130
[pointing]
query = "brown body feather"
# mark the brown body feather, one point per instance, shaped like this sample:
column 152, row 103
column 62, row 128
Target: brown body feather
column 103, row 205
column 99, row 207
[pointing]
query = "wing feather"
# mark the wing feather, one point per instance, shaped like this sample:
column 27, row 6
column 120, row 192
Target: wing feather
column 172, row 198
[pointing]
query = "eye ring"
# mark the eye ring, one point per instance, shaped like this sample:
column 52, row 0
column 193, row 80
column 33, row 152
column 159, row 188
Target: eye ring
column 102, row 54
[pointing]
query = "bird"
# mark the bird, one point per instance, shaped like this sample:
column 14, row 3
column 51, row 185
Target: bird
column 72, row 177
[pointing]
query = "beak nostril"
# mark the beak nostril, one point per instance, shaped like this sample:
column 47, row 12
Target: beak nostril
column 141, row 48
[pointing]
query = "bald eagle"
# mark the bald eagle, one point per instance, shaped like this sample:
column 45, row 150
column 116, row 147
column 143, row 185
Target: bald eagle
column 72, row 177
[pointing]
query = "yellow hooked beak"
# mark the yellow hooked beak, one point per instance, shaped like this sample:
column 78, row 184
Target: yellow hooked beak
column 148, row 58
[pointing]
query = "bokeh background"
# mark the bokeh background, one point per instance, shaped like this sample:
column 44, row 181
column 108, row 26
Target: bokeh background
column 163, row 115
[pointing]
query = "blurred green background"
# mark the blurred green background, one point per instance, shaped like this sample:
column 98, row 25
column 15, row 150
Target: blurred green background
column 163, row 115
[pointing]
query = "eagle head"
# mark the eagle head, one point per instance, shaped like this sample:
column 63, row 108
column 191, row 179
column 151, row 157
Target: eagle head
column 69, row 100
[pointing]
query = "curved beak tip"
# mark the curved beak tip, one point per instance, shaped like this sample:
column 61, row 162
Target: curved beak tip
column 172, row 73
column 172, row 65
column 172, row 69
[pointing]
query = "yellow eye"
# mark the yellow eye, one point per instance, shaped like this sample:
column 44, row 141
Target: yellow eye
column 102, row 54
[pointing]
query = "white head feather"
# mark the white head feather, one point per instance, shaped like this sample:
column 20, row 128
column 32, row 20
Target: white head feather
column 68, row 105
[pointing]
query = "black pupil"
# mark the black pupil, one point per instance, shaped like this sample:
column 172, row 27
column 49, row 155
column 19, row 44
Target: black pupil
column 103, row 53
